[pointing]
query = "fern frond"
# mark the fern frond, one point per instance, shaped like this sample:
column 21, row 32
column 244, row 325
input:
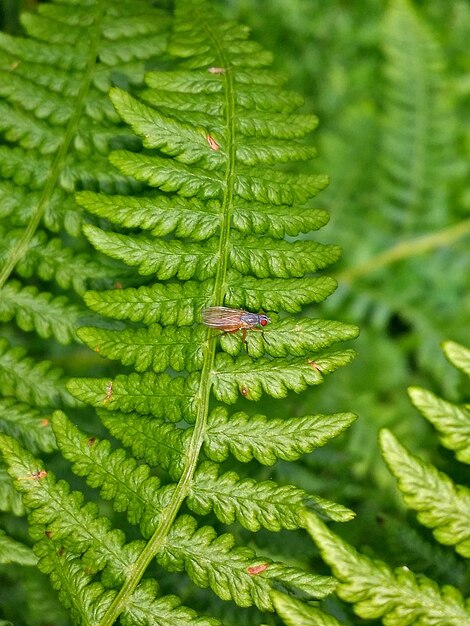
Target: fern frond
column 156, row 441
column 51, row 79
column 209, row 204
column 145, row 606
column 39, row 311
column 34, row 383
column 291, row 337
column 458, row 355
column 85, row 598
column 61, row 512
column 18, row 204
column 279, row 221
column 73, row 542
column 119, row 477
column 26, row 424
column 159, row 215
column 266, row 440
column 57, row 126
column 170, row 303
column 249, row 378
column 270, row 294
column 160, row 396
column 452, row 421
column 154, row 347
column 226, row 570
column 166, row 259
column 416, row 119
column 50, row 260
column 296, row 613
column 397, row 596
column 12, row 551
column 440, row 504
column 422, row 554
column 253, row 504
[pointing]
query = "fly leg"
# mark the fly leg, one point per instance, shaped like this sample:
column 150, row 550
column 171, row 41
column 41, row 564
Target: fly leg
column 245, row 343
column 235, row 330
column 259, row 330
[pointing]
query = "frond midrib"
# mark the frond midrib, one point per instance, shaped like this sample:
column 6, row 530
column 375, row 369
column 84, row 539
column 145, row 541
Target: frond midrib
column 182, row 489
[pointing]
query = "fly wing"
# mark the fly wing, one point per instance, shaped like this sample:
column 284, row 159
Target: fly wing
column 222, row 317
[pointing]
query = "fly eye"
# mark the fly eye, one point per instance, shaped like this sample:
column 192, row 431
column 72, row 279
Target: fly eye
column 263, row 321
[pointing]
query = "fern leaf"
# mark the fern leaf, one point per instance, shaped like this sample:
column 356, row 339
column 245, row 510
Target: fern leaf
column 458, row 355
column 296, row 613
column 199, row 220
column 161, row 216
column 51, row 260
column 153, row 440
column 154, row 347
column 182, row 141
column 440, row 504
column 145, row 605
column 169, row 175
column 277, row 294
column 416, row 120
column 19, row 205
column 397, row 596
column 34, row 383
column 279, row 126
column 85, row 598
column 119, row 477
column 187, row 143
column 278, row 221
column 291, row 337
column 267, row 257
column 421, row 553
column 254, row 504
column 266, row 440
column 170, row 303
column 226, row 570
column 10, row 499
column 249, row 378
column 12, row 551
column 165, row 259
column 59, row 511
column 450, row 420
column 87, row 545
column 37, row 311
column 55, row 79
column 26, row 424
column 147, row 394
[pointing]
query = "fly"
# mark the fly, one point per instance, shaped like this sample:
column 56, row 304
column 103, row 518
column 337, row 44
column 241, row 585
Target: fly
column 232, row 320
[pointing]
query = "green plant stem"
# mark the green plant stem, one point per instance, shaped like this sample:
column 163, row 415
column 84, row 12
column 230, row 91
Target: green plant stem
column 183, row 487
column 19, row 250
column 406, row 249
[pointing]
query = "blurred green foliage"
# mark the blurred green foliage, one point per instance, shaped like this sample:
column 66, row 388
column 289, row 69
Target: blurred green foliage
column 10, row 11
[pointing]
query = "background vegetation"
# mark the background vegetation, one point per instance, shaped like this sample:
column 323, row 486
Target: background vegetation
column 390, row 84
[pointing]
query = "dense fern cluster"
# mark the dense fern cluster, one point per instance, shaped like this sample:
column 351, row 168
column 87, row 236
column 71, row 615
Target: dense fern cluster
column 400, row 596
column 57, row 126
column 203, row 208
